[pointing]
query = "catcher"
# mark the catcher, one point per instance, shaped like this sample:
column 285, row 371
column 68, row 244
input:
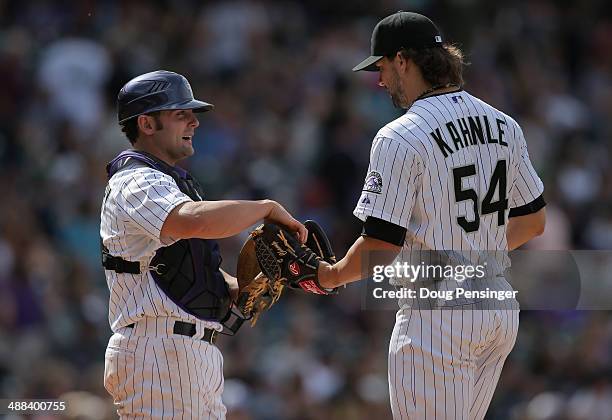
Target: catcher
column 169, row 297
column 273, row 258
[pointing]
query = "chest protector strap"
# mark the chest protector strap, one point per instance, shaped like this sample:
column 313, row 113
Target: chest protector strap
column 188, row 271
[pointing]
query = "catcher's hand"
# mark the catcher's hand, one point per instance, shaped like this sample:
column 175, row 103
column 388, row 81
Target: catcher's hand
column 273, row 257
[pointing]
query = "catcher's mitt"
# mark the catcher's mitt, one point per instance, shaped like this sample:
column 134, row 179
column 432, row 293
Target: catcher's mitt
column 272, row 258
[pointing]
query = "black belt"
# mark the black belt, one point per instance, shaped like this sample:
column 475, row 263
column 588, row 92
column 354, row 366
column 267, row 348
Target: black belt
column 185, row 328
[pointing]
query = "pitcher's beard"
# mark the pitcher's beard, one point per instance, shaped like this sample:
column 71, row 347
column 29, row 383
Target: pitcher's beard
column 399, row 101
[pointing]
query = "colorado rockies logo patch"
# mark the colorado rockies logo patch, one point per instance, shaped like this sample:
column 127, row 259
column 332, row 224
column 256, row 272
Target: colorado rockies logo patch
column 373, row 183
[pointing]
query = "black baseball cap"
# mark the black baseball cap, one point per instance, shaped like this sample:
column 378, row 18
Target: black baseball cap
column 397, row 31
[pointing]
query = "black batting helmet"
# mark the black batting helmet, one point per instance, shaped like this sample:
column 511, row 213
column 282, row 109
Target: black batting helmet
column 156, row 91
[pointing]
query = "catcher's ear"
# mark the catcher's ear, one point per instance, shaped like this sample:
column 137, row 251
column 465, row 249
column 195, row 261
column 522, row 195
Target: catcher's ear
column 146, row 124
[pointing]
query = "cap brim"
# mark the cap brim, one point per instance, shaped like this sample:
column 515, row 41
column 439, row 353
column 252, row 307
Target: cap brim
column 196, row 106
column 369, row 64
column 193, row 104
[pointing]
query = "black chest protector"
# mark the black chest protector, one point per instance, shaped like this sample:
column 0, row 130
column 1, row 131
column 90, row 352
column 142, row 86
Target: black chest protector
column 188, row 270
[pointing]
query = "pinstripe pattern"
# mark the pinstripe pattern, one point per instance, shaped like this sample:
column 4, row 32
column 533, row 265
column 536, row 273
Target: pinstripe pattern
column 445, row 364
column 137, row 202
column 421, row 180
column 149, row 371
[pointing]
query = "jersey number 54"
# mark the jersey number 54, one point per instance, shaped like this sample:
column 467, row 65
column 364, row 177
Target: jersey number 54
column 498, row 182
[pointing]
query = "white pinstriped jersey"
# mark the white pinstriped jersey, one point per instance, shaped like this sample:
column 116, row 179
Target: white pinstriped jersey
column 437, row 171
column 449, row 171
column 137, row 201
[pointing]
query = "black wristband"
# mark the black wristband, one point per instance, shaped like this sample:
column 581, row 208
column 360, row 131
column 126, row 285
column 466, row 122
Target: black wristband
column 528, row 208
column 383, row 230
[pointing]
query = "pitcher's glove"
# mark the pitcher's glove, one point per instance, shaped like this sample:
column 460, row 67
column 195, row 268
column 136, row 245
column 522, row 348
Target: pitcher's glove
column 272, row 258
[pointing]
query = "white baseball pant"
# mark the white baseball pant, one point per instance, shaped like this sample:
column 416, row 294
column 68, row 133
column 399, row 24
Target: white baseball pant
column 153, row 373
column 445, row 363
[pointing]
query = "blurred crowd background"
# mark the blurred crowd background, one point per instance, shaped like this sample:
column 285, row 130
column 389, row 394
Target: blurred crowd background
column 292, row 123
